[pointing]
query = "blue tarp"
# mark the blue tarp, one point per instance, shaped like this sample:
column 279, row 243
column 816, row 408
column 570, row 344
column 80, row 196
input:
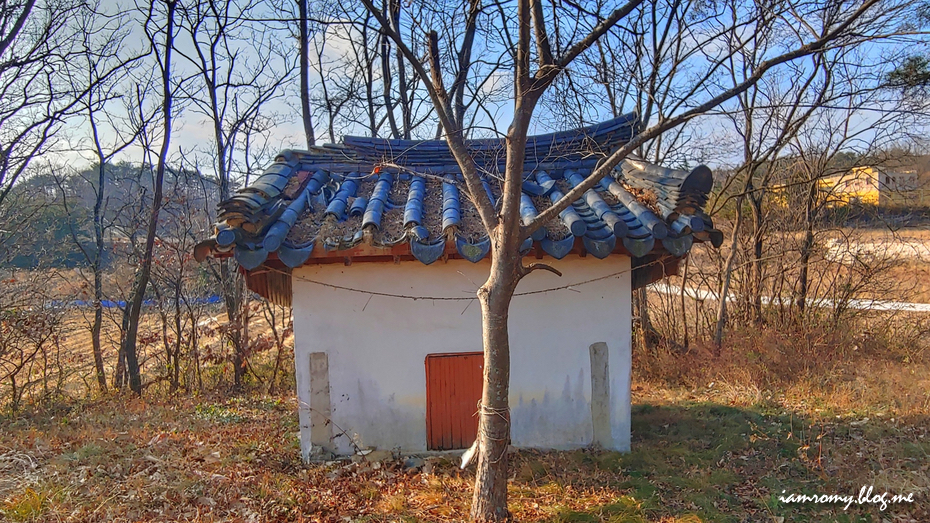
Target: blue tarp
column 208, row 300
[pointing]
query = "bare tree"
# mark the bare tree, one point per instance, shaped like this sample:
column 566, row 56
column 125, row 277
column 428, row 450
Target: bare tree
column 163, row 54
column 30, row 353
column 304, row 39
column 770, row 119
column 39, row 51
column 111, row 107
column 364, row 81
column 643, row 65
column 231, row 90
column 766, row 117
column 281, row 321
column 730, row 31
column 833, row 144
column 178, row 292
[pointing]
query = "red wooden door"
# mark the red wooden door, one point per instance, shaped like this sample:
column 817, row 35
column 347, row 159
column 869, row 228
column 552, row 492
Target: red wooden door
column 453, row 389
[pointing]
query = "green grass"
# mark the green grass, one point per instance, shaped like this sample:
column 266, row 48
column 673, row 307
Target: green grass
column 218, row 414
column 27, row 506
column 708, row 462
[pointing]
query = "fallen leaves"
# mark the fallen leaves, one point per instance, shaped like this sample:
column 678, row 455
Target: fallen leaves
column 238, row 460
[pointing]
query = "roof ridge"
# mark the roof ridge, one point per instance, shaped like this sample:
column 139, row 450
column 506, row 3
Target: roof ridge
column 595, row 130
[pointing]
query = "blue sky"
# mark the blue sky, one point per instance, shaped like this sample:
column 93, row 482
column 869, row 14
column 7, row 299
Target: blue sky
column 192, row 134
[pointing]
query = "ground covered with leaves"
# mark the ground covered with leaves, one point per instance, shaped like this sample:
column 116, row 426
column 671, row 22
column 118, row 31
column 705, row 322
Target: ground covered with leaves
column 695, row 458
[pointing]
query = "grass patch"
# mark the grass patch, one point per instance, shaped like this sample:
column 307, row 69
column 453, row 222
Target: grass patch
column 218, row 414
column 27, row 506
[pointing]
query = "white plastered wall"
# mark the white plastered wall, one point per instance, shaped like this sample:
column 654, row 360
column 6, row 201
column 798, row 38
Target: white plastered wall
column 375, row 349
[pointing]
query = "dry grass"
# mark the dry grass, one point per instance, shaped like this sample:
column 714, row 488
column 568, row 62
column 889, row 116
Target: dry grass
column 899, row 257
column 76, row 377
column 237, row 460
column 914, row 276
column 814, row 370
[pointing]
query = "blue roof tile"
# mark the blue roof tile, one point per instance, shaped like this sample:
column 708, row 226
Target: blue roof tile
column 385, row 193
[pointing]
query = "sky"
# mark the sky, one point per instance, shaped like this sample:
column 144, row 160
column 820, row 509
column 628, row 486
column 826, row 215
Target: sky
column 192, row 132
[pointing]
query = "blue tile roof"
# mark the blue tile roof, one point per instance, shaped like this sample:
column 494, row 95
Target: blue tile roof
column 372, row 197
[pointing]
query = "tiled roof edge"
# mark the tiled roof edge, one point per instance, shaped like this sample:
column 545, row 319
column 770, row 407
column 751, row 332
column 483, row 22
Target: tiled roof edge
column 641, row 207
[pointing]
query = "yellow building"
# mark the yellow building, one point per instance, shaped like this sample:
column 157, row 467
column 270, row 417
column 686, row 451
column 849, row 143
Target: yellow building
column 858, row 185
column 874, row 186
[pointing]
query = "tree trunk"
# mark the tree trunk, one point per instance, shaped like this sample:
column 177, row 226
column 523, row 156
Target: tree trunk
column 142, row 278
column 243, row 352
column 490, row 496
column 176, row 357
column 758, row 225
column 369, row 81
column 233, row 300
column 120, row 379
column 195, row 348
column 95, row 339
column 98, row 279
column 727, row 276
column 803, row 277
column 272, row 318
column 807, row 245
column 684, row 312
column 641, row 299
column 119, row 375
column 135, row 310
column 386, row 83
column 402, row 87
column 305, row 74
column 229, row 276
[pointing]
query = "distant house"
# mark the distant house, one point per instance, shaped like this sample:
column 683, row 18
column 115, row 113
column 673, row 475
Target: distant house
column 378, row 249
column 875, row 186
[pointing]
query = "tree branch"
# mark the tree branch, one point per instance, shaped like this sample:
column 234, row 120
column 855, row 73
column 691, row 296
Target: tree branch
column 540, row 266
column 543, row 48
column 17, row 27
column 454, row 135
column 436, row 70
column 582, row 45
column 608, row 164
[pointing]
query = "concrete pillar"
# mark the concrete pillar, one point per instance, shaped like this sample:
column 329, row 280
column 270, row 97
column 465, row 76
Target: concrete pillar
column 314, row 408
column 302, row 374
column 621, row 362
column 321, row 429
column 600, row 395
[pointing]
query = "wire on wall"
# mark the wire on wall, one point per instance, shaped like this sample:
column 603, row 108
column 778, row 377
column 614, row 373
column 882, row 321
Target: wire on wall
column 570, row 286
